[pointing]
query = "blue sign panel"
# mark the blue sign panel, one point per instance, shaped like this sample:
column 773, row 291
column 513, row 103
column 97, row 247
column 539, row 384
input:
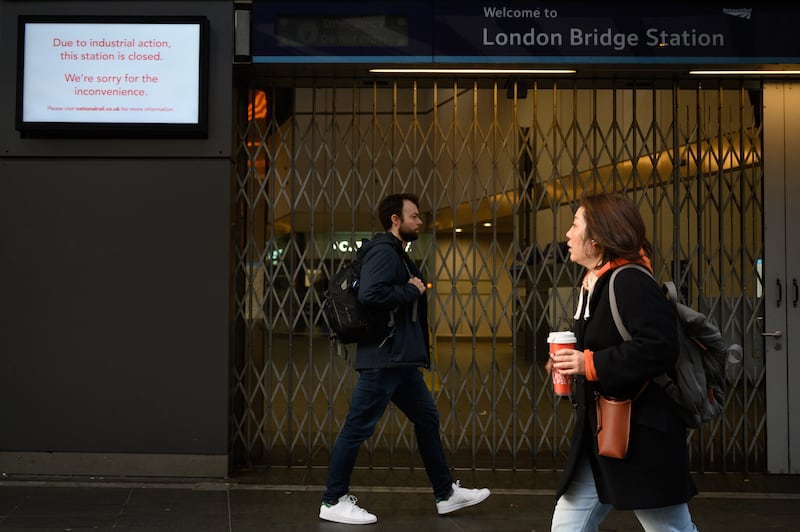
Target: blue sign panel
column 622, row 33
column 513, row 31
column 342, row 32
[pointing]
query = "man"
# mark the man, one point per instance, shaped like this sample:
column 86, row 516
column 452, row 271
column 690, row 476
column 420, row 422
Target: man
column 388, row 366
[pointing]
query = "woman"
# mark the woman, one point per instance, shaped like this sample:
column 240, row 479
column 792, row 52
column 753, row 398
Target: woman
column 653, row 479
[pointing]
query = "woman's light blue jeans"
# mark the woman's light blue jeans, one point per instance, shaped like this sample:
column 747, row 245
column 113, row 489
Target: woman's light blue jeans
column 580, row 510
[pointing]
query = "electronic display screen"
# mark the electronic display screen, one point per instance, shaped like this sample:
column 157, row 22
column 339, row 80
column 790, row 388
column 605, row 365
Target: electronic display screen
column 341, row 31
column 112, row 76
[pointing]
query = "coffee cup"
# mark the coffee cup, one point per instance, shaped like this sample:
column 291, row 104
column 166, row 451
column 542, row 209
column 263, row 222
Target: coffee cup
column 562, row 384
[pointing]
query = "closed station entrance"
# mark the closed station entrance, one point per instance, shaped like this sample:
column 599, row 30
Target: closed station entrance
column 499, row 160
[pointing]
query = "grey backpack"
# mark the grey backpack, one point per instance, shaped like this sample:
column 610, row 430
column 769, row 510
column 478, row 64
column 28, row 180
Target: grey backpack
column 697, row 385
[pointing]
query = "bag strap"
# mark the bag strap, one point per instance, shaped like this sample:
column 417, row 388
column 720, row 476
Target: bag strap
column 391, row 324
column 416, row 301
column 612, row 298
column 672, row 294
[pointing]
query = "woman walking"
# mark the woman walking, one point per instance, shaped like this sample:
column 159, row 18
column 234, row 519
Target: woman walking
column 653, row 479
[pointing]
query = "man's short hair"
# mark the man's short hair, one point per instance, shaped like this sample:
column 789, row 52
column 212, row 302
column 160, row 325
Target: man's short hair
column 393, row 204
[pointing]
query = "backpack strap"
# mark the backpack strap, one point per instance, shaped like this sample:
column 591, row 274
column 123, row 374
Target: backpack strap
column 672, row 294
column 413, row 305
column 612, row 298
column 416, row 301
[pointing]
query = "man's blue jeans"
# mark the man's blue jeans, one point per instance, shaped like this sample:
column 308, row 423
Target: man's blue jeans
column 374, row 389
column 579, row 509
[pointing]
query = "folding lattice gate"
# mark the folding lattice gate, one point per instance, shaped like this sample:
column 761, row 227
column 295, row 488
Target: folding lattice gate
column 498, row 166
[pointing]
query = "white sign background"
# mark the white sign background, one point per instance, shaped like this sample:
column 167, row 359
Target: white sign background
column 111, row 73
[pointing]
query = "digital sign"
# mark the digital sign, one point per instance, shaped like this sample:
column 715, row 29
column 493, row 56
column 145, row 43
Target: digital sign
column 293, row 32
column 335, row 31
column 118, row 76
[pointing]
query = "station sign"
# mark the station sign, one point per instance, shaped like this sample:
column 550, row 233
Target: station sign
column 449, row 31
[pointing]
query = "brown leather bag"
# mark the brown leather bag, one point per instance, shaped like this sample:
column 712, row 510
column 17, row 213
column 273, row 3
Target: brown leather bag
column 614, row 425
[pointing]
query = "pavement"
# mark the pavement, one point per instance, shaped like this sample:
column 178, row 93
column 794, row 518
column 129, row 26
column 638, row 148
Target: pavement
column 288, row 500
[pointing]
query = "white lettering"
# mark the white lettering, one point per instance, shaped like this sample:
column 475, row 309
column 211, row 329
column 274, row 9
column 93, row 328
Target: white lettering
column 606, row 38
column 531, row 38
column 505, row 12
column 688, row 38
column 345, row 246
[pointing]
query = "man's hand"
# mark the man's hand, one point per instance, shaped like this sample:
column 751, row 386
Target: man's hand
column 416, row 281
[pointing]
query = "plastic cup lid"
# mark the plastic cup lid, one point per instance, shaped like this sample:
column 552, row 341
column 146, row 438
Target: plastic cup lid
column 561, row 337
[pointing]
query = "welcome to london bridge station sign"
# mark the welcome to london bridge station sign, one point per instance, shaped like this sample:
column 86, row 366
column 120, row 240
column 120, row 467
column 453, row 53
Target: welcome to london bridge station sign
column 446, row 31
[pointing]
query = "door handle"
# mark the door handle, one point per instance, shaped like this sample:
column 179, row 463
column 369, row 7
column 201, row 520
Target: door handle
column 796, row 292
column 773, row 333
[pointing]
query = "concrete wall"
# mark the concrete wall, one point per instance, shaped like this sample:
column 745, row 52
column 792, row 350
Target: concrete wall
column 114, row 282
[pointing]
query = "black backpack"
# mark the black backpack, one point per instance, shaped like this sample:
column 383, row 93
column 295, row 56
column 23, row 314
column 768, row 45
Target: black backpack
column 698, row 386
column 347, row 320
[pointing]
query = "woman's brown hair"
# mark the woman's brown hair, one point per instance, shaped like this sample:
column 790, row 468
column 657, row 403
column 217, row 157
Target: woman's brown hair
column 615, row 224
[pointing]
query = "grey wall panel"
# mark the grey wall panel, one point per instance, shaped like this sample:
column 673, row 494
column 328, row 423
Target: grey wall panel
column 115, row 304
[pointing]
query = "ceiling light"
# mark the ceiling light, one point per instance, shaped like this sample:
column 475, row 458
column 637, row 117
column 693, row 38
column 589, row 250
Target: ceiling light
column 526, row 71
column 745, row 72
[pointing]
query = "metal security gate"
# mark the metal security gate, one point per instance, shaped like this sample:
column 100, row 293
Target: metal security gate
column 499, row 167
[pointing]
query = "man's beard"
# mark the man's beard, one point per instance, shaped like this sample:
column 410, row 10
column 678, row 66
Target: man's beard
column 409, row 236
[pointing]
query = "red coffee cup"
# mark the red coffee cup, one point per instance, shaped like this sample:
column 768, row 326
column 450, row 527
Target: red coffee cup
column 562, row 384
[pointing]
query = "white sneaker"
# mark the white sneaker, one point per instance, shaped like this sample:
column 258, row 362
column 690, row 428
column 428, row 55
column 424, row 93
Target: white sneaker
column 461, row 498
column 347, row 511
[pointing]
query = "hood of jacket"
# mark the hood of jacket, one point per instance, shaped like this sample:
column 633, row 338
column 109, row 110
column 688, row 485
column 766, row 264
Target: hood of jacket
column 379, row 239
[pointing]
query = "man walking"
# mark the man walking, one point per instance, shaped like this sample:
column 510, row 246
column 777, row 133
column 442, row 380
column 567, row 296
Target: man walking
column 388, row 365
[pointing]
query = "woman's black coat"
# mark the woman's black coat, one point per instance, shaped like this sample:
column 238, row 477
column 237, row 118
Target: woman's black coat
column 655, row 472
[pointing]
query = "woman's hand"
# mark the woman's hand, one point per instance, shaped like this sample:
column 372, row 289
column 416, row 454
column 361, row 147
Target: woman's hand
column 568, row 361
